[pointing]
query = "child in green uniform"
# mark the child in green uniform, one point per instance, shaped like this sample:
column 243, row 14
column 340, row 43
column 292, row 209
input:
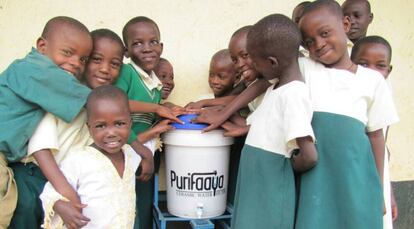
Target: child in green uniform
column 375, row 52
column 45, row 80
column 142, row 41
column 60, row 137
column 265, row 194
column 352, row 104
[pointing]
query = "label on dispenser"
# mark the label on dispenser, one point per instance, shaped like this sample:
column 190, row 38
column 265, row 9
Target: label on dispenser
column 198, row 184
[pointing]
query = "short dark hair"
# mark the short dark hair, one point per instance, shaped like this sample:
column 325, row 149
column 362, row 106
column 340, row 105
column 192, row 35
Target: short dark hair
column 163, row 60
column 222, row 53
column 370, row 40
column 366, row 2
column 331, row 5
column 109, row 34
column 57, row 22
column 135, row 20
column 244, row 29
column 275, row 35
column 106, row 92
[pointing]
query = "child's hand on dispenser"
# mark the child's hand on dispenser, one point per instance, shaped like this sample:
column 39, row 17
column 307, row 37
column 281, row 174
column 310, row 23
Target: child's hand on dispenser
column 167, row 113
column 212, row 117
column 162, row 127
column 194, row 106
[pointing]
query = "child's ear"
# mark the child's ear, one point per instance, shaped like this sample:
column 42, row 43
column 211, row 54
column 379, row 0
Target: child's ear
column 273, row 61
column 371, row 17
column 162, row 47
column 390, row 69
column 126, row 53
column 41, row 45
column 346, row 21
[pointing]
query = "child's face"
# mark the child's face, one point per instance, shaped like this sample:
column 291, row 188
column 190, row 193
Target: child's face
column 221, row 76
column 144, row 46
column 165, row 74
column 360, row 18
column 262, row 65
column 324, row 35
column 104, row 63
column 109, row 124
column 374, row 56
column 241, row 59
column 68, row 48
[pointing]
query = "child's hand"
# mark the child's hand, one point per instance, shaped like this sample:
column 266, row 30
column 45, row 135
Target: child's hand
column 147, row 169
column 178, row 110
column 394, row 207
column 167, row 113
column 71, row 214
column 162, row 126
column 212, row 117
column 194, row 106
column 233, row 130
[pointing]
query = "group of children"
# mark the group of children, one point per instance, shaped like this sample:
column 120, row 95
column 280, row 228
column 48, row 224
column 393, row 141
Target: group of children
column 59, row 151
column 314, row 152
column 351, row 108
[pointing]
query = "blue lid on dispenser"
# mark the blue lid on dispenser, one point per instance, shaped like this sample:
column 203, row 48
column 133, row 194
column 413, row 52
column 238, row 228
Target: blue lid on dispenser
column 188, row 125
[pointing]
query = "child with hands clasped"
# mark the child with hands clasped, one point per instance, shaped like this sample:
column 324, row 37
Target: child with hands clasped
column 103, row 173
column 265, row 194
column 375, row 52
column 352, row 105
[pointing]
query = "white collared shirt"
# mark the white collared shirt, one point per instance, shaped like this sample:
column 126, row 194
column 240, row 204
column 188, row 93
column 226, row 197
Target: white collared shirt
column 150, row 80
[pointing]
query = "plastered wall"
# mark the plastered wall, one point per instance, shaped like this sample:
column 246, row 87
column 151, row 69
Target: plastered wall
column 192, row 30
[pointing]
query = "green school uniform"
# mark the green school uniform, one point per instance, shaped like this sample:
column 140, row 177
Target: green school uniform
column 28, row 88
column 344, row 190
column 132, row 83
column 265, row 192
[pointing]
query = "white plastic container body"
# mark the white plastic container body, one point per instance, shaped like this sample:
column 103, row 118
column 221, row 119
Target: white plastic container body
column 196, row 172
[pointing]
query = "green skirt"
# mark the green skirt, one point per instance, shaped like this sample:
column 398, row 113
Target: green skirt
column 343, row 191
column 265, row 193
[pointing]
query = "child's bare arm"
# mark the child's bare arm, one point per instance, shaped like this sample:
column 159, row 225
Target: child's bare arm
column 147, row 160
column 54, row 175
column 378, row 148
column 162, row 111
column 307, row 156
column 155, row 131
column 218, row 118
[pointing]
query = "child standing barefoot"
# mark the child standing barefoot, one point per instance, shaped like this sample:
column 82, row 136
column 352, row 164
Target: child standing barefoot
column 265, row 194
